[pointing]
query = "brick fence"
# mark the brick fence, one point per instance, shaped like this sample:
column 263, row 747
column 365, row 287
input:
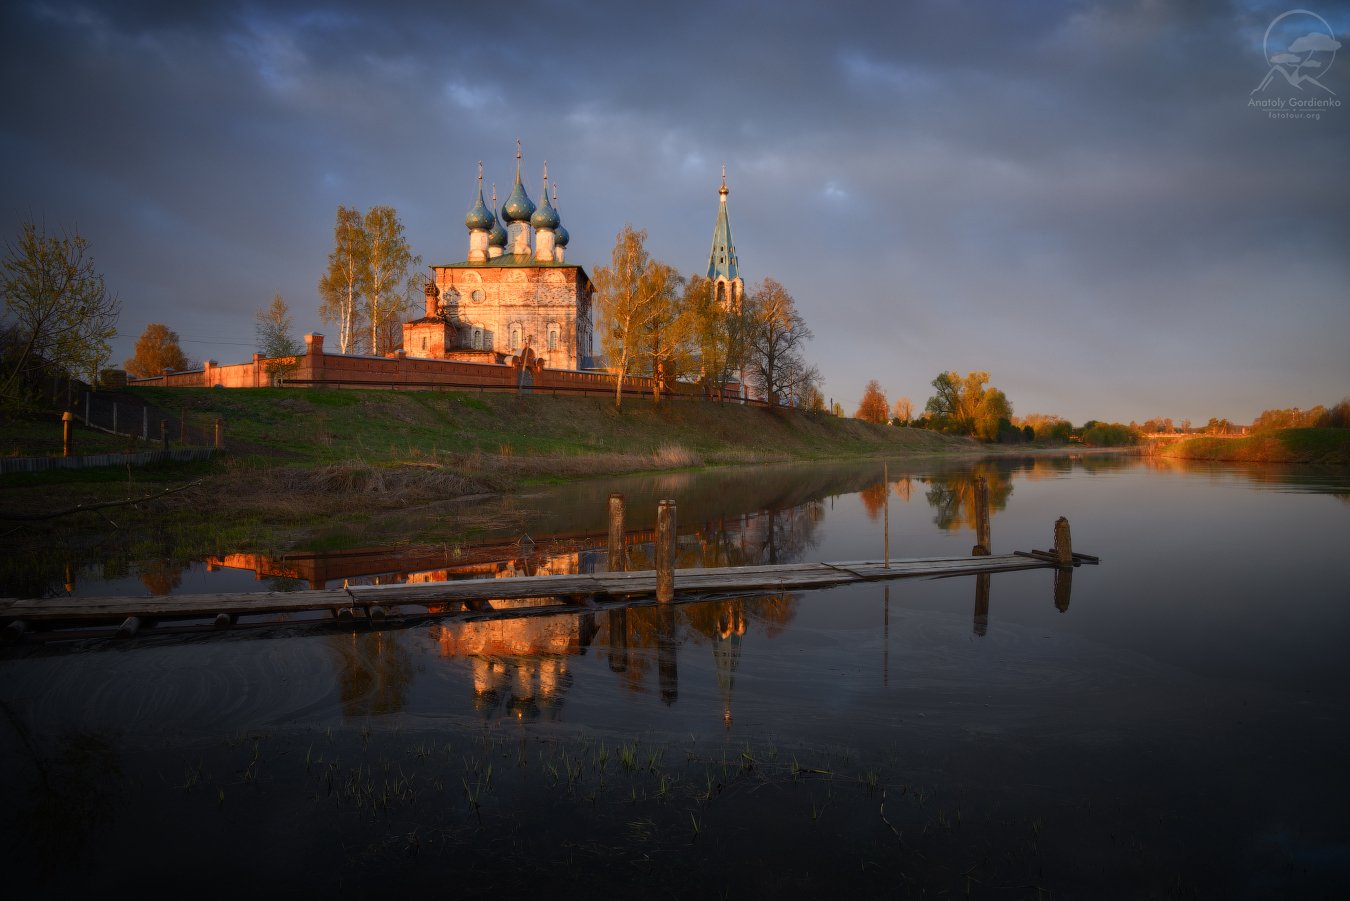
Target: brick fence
column 317, row 369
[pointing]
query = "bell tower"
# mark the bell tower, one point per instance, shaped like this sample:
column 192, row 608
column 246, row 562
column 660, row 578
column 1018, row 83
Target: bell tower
column 723, row 268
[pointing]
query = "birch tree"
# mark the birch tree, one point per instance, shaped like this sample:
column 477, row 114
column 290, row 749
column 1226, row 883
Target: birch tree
column 628, row 293
column 388, row 259
column 340, row 288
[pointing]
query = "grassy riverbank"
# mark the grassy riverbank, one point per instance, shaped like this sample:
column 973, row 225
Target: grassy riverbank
column 1322, row 446
column 388, row 466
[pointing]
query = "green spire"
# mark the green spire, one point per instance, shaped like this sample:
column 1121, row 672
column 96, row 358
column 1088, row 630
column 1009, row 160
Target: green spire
column 722, row 260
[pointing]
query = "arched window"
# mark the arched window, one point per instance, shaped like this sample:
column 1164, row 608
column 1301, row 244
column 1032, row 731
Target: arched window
column 721, row 294
column 553, row 333
column 515, row 338
column 424, row 342
column 477, row 340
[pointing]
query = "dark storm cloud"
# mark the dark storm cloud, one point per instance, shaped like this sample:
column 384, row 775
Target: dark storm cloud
column 1073, row 196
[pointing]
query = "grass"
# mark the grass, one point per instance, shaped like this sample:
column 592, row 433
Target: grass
column 1321, row 446
column 297, row 459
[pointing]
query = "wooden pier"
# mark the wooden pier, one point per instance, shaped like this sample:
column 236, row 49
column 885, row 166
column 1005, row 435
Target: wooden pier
column 474, row 597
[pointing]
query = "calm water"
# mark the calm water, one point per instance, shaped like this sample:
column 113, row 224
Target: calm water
column 1172, row 722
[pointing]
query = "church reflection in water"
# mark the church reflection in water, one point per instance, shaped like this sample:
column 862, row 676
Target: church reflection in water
column 521, row 665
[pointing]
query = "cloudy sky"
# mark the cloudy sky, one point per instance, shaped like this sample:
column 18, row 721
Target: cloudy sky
column 1076, row 197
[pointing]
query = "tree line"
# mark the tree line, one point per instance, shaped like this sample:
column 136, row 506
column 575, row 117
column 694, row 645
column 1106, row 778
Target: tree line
column 970, row 405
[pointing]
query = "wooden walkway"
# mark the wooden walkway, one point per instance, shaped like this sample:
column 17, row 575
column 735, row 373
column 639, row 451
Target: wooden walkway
column 475, row 596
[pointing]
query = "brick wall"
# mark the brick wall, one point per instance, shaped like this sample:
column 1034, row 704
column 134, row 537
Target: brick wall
column 317, row 369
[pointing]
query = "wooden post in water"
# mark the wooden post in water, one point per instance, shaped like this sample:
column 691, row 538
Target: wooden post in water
column 617, row 558
column 981, row 621
column 67, row 433
column 982, row 543
column 220, row 433
column 1063, row 588
column 1063, row 543
column 665, row 551
column 886, row 509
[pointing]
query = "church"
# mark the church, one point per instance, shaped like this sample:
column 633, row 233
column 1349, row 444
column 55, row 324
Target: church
column 515, row 295
column 516, row 298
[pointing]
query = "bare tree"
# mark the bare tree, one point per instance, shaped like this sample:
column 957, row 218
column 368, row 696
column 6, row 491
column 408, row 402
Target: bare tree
column 57, row 307
column 777, row 340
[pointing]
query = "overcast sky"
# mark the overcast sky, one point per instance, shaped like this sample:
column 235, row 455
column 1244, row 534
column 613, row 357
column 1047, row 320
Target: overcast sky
column 1075, row 197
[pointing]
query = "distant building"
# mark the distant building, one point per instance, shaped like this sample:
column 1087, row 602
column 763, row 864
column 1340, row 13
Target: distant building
column 515, row 296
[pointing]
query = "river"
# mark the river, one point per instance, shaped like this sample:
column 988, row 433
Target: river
column 1170, row 722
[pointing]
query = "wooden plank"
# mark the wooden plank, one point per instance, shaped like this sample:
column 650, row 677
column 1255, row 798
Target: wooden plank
column 475, row 595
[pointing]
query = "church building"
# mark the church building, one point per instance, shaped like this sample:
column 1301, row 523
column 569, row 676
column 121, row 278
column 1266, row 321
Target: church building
column 515, row 296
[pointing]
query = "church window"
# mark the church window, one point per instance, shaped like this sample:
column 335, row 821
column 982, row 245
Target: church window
column 477, row 340
column 515, row 337
column 553, row 336
column 424, row 342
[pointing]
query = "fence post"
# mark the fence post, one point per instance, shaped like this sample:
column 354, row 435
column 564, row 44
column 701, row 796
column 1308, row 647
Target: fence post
column 145, row 424
column 220, row 434
column 114, row 417
column 982, row 541
column 617, row 557
column 88, row 405
column 665, row 551
column 164, row 433
column 67, row 433
column 182, row 426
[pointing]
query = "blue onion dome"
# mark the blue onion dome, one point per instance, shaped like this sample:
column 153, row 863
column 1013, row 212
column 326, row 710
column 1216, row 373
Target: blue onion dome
column 480, row 218
column 545, row 216
column 496, row 235
column 518, row 207
column 560, row 236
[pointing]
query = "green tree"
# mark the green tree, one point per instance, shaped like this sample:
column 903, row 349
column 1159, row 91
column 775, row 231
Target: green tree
column 1108, row 434
column 157, row 349
column 341, row 287
column 273, row 326
column 873, row 407
column 968, row 406
column 776, row 344
column 58, row 311
column 630, row 293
